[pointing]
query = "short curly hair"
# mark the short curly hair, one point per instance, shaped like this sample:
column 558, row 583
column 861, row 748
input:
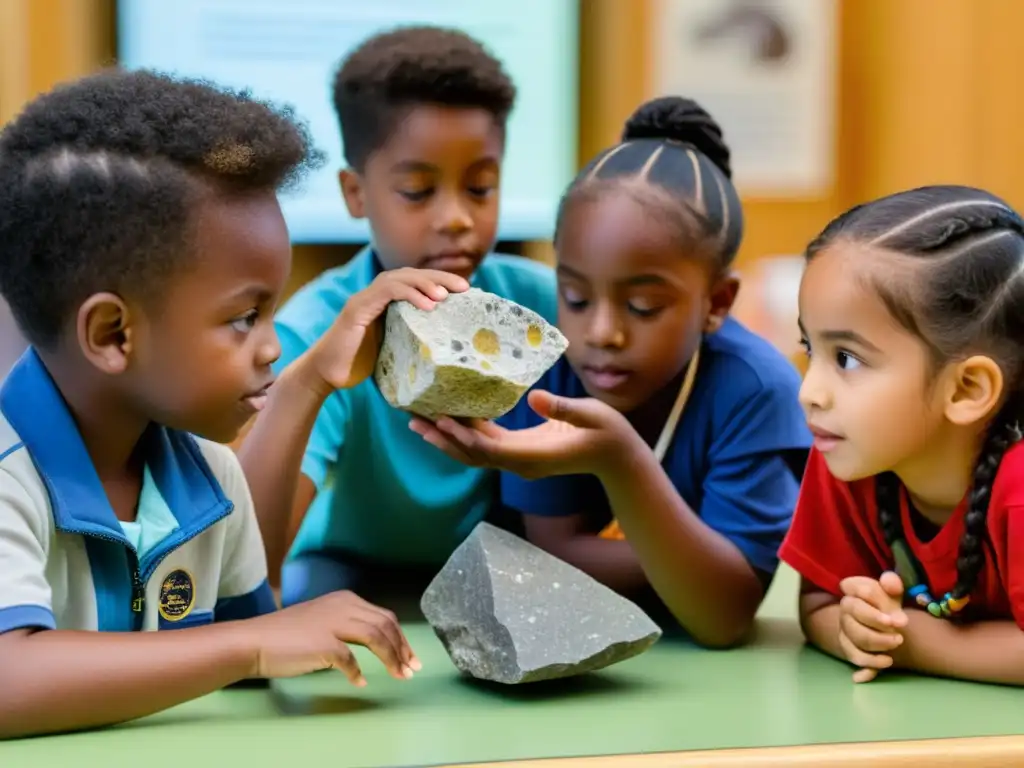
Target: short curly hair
column 411, row 66
column 99, row 179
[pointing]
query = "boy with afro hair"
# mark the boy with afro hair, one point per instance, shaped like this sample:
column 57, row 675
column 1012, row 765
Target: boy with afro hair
column 142, row 253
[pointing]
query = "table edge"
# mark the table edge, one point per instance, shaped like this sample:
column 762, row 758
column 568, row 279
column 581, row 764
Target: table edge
column 982, row 750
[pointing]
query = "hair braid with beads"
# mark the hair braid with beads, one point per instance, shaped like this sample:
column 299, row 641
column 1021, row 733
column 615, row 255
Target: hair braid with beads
column 966, row 298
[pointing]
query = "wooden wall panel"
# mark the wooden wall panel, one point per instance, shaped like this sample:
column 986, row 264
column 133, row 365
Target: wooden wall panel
column 997, row 107
column 918, row 114
column 14, row 57
column 922, row 97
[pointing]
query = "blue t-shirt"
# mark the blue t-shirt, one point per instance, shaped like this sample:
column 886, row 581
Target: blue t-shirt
column 731, row 458
column 383, row 493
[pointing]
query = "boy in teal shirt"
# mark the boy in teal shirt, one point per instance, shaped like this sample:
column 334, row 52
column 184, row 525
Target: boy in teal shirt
column 423, row 113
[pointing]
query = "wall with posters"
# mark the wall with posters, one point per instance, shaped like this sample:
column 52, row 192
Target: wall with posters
column 919, row 97
column 288, row 52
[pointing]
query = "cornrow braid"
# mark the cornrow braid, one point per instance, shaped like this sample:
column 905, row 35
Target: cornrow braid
column 1004, row 432
column 887, row 499
column 971, row 556
column 948, row 221
column 965, row 296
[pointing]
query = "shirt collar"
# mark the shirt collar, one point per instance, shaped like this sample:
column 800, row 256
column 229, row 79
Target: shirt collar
column 36, row 410
column 375, row 266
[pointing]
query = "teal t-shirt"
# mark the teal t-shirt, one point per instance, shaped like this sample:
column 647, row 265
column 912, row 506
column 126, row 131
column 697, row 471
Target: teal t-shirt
column 383, row 493
column 154, row 520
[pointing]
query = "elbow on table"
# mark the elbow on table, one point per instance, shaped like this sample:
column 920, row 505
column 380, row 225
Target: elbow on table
column 730, row 620
column 12, row 720
column 13, row 727
column 27, row 683
column 726, row 637
column 10, row 727
column 722, row 632
column 815, row 607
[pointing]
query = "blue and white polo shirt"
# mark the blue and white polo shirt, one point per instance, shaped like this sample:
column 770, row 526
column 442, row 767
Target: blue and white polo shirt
column 65, row 559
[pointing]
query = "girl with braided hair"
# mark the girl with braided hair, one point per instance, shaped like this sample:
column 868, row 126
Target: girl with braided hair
column 661, row 455
column 909, row 531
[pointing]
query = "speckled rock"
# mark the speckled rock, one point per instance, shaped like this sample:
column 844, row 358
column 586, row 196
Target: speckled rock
column 473, row 355
column 509, row 612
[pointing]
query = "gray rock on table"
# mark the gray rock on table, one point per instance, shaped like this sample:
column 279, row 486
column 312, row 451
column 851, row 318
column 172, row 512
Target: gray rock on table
column 509, row 612
column 474, row 355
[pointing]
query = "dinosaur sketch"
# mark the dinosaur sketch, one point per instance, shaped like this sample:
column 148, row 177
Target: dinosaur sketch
column 766, row 33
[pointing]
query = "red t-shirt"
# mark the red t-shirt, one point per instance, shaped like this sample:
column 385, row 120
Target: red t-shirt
column 836, row 534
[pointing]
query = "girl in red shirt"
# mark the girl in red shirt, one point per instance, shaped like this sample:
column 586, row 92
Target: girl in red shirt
column 909, row 531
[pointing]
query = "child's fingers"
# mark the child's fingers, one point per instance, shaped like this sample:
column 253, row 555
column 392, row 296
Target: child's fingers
column 867, row 614
column 422, row 296
column 891, row 584
column 420, row 426
column 866, row 589
column 423, row 288
column 383, row 639
column 401, row 641
column 470, row 439
column 877, row 595
column 899, row 618
column 442, row 442
column 868, row 639
column 447, row 282
column 367, row 307
column 861, row 658
column 345, row 662
column 528, row 453
column 410, row 655
column 366, row 625
column 522, row 451
column 486, row 427
column 865, row 675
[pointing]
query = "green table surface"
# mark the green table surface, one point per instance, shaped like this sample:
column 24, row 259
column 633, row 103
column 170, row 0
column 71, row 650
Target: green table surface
column 775, row 692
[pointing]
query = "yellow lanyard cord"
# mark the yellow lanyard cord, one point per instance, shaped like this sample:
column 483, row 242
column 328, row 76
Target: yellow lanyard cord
column 612, row 530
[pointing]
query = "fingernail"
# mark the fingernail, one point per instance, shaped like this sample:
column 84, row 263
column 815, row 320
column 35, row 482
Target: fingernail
column 442, row 291
column 360, row 682
column 407, row 672
column 416, row 664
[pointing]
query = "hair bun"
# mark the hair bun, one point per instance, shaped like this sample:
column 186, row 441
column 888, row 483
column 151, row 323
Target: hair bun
column 679, row 119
